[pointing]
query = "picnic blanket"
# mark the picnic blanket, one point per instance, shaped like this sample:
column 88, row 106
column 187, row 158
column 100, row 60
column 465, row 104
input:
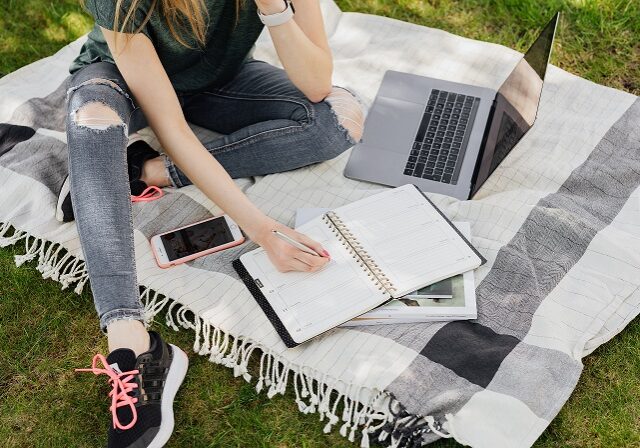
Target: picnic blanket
column 558, row 221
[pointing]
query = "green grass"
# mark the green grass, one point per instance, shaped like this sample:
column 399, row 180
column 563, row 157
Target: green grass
column 45, row 332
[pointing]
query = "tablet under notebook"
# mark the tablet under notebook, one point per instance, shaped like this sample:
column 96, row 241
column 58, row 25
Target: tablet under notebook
column 382, row 247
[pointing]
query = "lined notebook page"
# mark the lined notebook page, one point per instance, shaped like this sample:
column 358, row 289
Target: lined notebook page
column 311, row 303
column 413, row 245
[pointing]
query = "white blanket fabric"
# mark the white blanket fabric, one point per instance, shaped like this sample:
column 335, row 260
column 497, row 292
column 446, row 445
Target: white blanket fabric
column 369, row 367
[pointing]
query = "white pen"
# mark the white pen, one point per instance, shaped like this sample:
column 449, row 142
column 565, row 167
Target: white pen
column 294, row 243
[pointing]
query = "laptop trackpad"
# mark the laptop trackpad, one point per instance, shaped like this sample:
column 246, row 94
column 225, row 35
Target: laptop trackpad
column 392, row 124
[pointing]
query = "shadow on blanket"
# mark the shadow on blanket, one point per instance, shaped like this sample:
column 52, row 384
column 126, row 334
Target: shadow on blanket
column 11, row 135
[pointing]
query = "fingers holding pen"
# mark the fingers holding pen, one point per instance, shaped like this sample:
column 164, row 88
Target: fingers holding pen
column 290, row 250
column 317, row 247
column 313, row 262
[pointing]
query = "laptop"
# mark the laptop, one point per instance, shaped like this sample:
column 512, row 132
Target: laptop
column 446, row 137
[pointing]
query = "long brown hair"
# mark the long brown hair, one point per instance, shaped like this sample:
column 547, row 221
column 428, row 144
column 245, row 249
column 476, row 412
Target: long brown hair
column 180, row 15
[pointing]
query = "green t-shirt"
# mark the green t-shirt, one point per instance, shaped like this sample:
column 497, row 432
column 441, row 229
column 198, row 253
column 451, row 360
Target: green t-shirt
column 190, row 70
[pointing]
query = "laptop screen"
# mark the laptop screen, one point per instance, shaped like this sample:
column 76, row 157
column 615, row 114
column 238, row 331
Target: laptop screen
column 516, row 104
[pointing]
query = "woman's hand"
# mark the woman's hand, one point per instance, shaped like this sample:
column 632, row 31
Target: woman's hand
column 285, row 256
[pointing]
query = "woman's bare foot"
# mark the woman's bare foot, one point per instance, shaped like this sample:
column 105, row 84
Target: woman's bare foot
column 155, row 173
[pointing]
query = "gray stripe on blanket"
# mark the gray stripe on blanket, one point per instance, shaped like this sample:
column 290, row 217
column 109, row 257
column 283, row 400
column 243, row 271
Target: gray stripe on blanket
column 221, row 261
column 558, row 230
column 551, row 240
column 47, row 112
column 546, row 378
column 432, row 383
column 42, row 158
column 171, row 211
column 543, row 389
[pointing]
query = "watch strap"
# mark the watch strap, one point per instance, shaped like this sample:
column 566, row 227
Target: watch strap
column 278, row 18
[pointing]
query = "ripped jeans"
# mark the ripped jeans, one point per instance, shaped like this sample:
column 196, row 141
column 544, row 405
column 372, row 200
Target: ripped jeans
column 269, row 126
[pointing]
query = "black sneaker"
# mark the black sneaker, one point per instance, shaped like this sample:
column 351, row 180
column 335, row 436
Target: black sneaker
column 137, row 153
column 143, row 392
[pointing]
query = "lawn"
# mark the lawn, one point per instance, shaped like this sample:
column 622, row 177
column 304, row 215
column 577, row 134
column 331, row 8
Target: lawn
column 45, row 332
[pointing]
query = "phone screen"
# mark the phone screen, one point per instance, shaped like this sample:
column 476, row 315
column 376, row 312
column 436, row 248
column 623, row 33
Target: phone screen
column 196, row 238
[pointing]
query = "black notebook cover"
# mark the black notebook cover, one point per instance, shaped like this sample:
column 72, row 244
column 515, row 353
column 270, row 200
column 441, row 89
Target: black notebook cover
column 264, row 303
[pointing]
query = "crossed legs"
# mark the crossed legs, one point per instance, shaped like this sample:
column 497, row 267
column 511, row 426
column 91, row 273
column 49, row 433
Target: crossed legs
column 270, row 125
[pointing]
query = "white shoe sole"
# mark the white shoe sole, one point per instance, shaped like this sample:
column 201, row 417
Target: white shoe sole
column 64, row 191
column 176, row 375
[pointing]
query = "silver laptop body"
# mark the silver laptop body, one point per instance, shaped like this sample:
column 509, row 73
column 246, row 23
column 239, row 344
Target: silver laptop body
column 447, row 137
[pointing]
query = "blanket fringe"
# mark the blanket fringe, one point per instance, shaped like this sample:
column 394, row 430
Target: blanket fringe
column 64, row 269
column 380, row 417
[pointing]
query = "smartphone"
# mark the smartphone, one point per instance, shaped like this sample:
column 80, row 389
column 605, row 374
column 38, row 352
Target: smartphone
column 195, row 240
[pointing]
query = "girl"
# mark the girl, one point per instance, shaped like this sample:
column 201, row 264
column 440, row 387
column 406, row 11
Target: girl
column 161, row 63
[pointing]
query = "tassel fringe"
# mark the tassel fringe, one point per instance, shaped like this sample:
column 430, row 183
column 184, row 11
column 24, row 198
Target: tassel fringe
column 381, row 418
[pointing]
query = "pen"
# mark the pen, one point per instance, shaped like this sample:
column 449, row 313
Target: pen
column 294, row 243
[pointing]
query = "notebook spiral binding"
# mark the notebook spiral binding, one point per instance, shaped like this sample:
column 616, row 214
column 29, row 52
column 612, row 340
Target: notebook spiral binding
column 362, row 257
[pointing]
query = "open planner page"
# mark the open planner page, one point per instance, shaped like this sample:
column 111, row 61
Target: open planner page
column 310, row 303
column 408, row 238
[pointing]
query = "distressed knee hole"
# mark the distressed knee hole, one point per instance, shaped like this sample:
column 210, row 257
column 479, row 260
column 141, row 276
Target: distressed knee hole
column 348, row 110
column 96, row 115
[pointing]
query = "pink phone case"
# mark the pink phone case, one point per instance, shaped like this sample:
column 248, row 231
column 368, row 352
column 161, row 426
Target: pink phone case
column 197, row 254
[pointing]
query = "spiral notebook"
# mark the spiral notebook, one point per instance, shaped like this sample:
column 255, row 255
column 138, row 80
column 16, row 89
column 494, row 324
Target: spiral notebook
column 382, row 247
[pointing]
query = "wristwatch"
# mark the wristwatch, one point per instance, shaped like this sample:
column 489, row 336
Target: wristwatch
column 278, row 18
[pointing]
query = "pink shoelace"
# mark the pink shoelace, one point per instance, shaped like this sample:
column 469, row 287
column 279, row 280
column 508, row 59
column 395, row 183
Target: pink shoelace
column 122, row 384
column 150, row 193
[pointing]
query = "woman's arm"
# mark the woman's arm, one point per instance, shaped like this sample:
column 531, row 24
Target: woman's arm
column 148, row 81
column 302, row 47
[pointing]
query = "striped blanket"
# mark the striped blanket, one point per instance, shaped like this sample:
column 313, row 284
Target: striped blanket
column 558, row 221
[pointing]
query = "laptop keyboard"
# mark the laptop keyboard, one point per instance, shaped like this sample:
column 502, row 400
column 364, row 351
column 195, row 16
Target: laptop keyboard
column 442, row 137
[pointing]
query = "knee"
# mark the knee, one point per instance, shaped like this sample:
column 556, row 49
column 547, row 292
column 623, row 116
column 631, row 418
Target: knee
column 96, row 115
column 348, row 111
column 92, row 104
